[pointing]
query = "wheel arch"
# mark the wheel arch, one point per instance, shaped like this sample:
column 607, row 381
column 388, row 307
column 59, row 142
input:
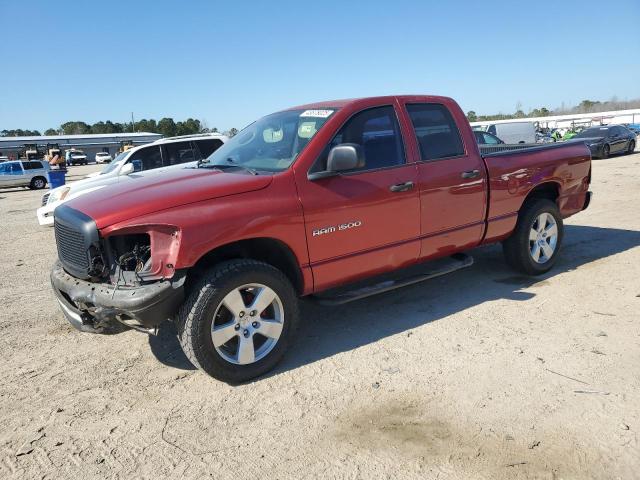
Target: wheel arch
column 549, row 190
column 39, row 176
column 265, row 249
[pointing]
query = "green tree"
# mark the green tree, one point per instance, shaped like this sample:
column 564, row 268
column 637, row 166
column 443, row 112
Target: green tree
column 233, row 132
column 188, row 127
column 75, row 128
column 51, row 131
column 471, row 116
column 145, row 125
column 167, row 127
column 19, row 133
column 101, row 127
column 587, row 105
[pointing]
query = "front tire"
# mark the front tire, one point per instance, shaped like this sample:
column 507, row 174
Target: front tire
column 533, row 246
column 238, row 320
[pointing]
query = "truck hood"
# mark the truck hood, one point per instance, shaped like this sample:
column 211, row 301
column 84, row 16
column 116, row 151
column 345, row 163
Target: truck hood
column 128, row 200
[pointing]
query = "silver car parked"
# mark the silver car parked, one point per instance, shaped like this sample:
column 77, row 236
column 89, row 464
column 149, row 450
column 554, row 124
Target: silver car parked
column 24, row 173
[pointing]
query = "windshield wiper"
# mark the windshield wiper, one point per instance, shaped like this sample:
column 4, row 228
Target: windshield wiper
column 231, row 164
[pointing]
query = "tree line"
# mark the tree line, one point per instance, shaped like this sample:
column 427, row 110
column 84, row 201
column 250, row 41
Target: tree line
column 165, row 126
column 586, row 106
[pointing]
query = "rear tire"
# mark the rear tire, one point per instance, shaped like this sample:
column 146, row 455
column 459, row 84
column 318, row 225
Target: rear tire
column 533, row 246
column 38, row 183
column 632, row 147
column 250, row 339
column 605, row 151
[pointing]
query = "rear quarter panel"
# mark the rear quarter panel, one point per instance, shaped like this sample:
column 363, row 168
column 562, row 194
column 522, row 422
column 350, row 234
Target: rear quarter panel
column 513, row 176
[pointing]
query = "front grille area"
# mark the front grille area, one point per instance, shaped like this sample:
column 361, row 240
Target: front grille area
column 71, row 247
column 45, row 199
column 77, row 240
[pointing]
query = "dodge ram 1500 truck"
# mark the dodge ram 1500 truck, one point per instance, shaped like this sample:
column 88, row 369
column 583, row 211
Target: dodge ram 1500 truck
column 323, row 200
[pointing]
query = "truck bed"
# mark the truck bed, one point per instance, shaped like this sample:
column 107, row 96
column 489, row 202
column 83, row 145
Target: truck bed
column 562, row 170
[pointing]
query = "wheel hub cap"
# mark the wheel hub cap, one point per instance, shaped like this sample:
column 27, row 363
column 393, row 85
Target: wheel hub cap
column 543, row 238
column 247, row 324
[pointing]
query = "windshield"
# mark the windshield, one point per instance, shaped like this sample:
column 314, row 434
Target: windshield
column 115, row 163
column 593, row 132
column 272, row 143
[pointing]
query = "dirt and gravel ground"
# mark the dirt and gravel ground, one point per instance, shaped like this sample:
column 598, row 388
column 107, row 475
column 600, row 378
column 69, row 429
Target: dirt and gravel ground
column 480, row 374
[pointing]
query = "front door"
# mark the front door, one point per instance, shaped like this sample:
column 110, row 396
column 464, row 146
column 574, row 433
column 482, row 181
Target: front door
column 365, row 221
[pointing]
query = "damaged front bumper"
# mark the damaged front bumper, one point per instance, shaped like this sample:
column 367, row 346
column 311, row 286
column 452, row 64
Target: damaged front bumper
column 103, row 308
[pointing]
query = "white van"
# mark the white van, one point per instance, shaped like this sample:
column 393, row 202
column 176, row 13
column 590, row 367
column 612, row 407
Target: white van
column 514, row 132
column 150, row 159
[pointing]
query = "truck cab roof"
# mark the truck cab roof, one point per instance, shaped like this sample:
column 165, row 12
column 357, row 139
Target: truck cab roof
column 357, row 102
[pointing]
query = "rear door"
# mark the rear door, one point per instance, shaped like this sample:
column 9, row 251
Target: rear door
column 451, row 178
column 364, row 221
column 32, row 169
column 177, row 153
column 618, row 140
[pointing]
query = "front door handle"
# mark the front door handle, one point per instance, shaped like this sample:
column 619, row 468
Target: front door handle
column 471, row 174
column 401, row 187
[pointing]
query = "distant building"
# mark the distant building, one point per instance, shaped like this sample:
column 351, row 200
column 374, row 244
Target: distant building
column 90, row 144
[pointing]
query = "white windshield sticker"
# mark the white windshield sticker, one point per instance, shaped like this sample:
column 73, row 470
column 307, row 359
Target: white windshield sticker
column 316, row 113
column 306, row 129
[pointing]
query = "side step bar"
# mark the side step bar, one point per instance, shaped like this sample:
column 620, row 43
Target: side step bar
column 426, row 271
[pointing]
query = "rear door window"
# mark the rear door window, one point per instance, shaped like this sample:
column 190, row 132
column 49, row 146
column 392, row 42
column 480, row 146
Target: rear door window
column 147, row 158
column 207, row 146
column 436, row 131
column 32, row 165
column 178, row 152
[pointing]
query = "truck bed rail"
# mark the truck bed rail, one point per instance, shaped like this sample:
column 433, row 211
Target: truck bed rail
column 496, row 150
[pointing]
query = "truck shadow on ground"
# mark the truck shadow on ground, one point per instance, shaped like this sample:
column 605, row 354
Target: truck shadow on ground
column 327, row 331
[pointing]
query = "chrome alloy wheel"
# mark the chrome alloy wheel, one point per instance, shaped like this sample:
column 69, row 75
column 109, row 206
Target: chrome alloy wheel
column 543, row 238
column 247, row 324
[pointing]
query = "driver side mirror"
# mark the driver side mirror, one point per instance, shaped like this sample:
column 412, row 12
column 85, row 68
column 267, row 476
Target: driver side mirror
column 126, row 169
column 341, row 158
column 133, row 166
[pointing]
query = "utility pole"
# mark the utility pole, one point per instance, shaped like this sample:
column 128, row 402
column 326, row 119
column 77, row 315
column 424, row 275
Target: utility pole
column 133, row 123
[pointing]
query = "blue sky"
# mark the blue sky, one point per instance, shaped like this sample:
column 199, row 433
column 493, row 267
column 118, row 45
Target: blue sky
column 231, row 62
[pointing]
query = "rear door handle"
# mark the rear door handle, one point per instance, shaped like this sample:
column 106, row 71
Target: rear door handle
column 401, row 187
column 471, row 174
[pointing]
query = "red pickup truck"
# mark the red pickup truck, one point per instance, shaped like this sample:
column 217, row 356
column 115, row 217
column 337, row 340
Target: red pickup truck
column 322, row 200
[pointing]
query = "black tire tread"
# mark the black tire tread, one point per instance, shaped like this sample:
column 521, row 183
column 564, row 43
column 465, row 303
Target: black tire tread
column 516, row 256
column 198, row 299
column 32, row 184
